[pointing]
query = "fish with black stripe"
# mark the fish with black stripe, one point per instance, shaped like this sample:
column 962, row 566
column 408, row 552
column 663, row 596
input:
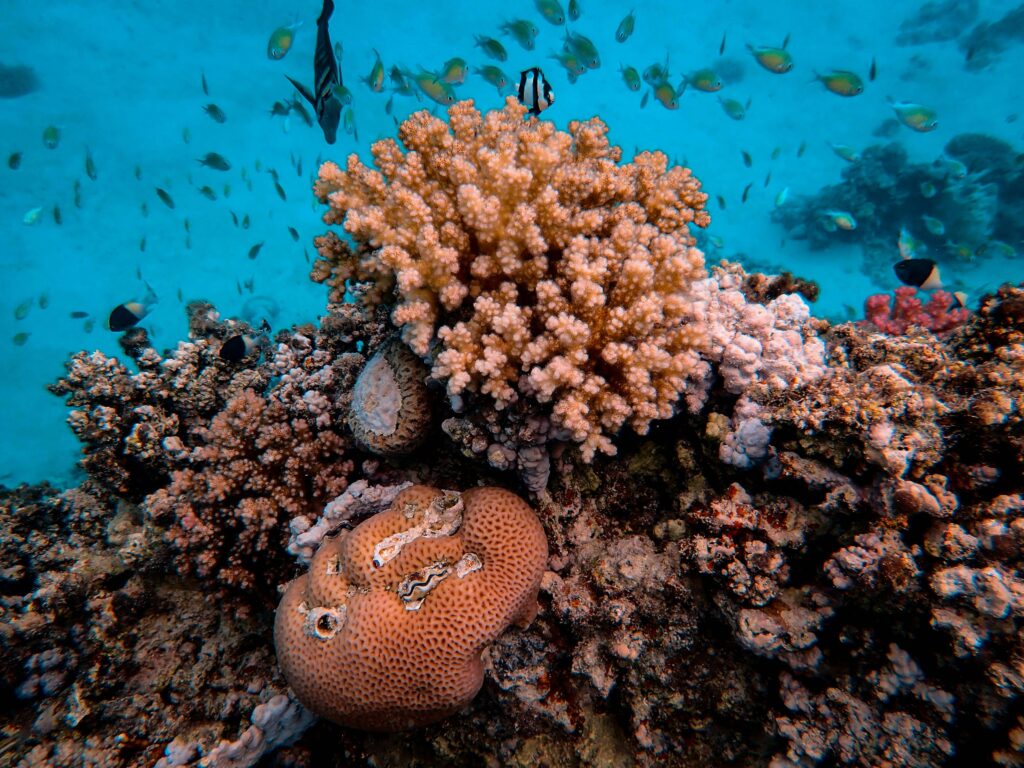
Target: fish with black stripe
column 326, row 77
column 535, row 91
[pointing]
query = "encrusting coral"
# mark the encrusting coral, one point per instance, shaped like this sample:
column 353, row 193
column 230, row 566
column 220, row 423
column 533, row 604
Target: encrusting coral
column 537, row 263
column 386, row 629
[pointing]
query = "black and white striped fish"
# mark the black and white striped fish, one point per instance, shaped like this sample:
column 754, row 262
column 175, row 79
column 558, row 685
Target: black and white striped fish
column 326, row 77
column 535, row 91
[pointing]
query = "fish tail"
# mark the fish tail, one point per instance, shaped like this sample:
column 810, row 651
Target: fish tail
column 325, row 14
column 303, row 90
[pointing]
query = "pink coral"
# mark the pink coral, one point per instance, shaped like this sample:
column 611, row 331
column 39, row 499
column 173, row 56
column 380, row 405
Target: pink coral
column 936, row 315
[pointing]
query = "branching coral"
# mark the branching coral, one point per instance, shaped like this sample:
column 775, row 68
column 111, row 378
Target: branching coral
column 937, row 315
column 538, row 263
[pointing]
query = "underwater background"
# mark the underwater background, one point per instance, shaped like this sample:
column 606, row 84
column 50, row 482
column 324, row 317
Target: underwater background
column 122, row 83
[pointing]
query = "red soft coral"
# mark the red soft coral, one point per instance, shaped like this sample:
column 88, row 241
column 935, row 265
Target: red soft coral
column 937, row 315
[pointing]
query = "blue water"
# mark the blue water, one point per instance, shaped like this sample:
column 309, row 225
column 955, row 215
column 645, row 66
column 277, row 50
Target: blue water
column 123, row 80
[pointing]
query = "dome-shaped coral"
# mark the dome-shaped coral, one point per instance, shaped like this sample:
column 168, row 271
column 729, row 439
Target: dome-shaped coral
column 390, row 412
column 386, row 629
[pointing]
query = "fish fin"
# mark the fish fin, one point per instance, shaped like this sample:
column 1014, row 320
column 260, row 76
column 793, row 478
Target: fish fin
column 150, row 297
column 303, row 90
column 785, row 42
column 325, row 14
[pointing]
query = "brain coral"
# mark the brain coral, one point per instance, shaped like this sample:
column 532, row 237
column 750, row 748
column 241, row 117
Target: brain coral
column 528, row 261
column 386, row 629
column 390, row 411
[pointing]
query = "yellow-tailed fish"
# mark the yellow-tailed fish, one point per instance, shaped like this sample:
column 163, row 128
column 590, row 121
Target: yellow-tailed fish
column 375, row 80
column 491, row 47
column 348, row 121
column 915, row 116
column 841, row 219
column 775, row 60
column 434, row 87
column 454, row 71
column 780, row 199
column 493, row 75
column 342, row 94
column 656, row 73
column 32, row 216
column 733, row 108
column 522, row 31
column 551, row 10
column 666, row 94
column 841, row 82
column 51, row 137
column 281, row 40
column 705, row 80
column 847, row 153
column 934, row 225
column 584, row 48
column 625, row 28
column 630, row 77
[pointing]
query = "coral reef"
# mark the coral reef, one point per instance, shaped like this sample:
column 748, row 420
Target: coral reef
column 987, row 39
column 964, row 206
column 384, row 632
column 937, row 21
column 896, row 317
column 538, row 265
column 814, row 559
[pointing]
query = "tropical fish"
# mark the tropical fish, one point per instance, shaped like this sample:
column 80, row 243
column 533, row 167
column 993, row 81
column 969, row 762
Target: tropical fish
column 245, row 221
column 254, row 251
column 437, row 89
column 777, row 60
column 919, row 273
column 58, row 219
column 997, row 248
column 847, row 153
column 202, row 82
column 491, row 47
column 14, row 161
column 20, row 338
column 77, row 197
column 208, row 193
column 666, row 95
column 298, row 108
column 166, row 198
column 375, row 80
column 934, row 225
column 873, row 70
column 801, row 149
column 535, row 91
column 584, row 48
column 643, row 100
column 551, row 10
column 776, row 152
column 51, row 137
column 216, row 113
column 721, row 45
column 127, row 315
column 915, row 116
column 142, row 244
column 280, row 191
column 523, row 31
column 186, row 135
column 326, row 76
column 215, row 161
column 705, row 80
column 280, row 42
column 78, row 314
column 780, row 199
column 841, row 82
column 279, row 109
column 348, row 121
column 626, row 26
column 747, row 159
column 571, row 62
column 841, row 219
column 959, row 300
column 907, row 245
column 953, row 167
column 656, row 73
column 733, row 108
column 294, row 233
column 22, row 310
column 721, row 201
column 32, row 216
column 746, row 192
column 90, row 165
column 630, row 77
column 928, row 190
column 491, row 74
column 454, row 71
column 767, row 179
column 236, row 348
